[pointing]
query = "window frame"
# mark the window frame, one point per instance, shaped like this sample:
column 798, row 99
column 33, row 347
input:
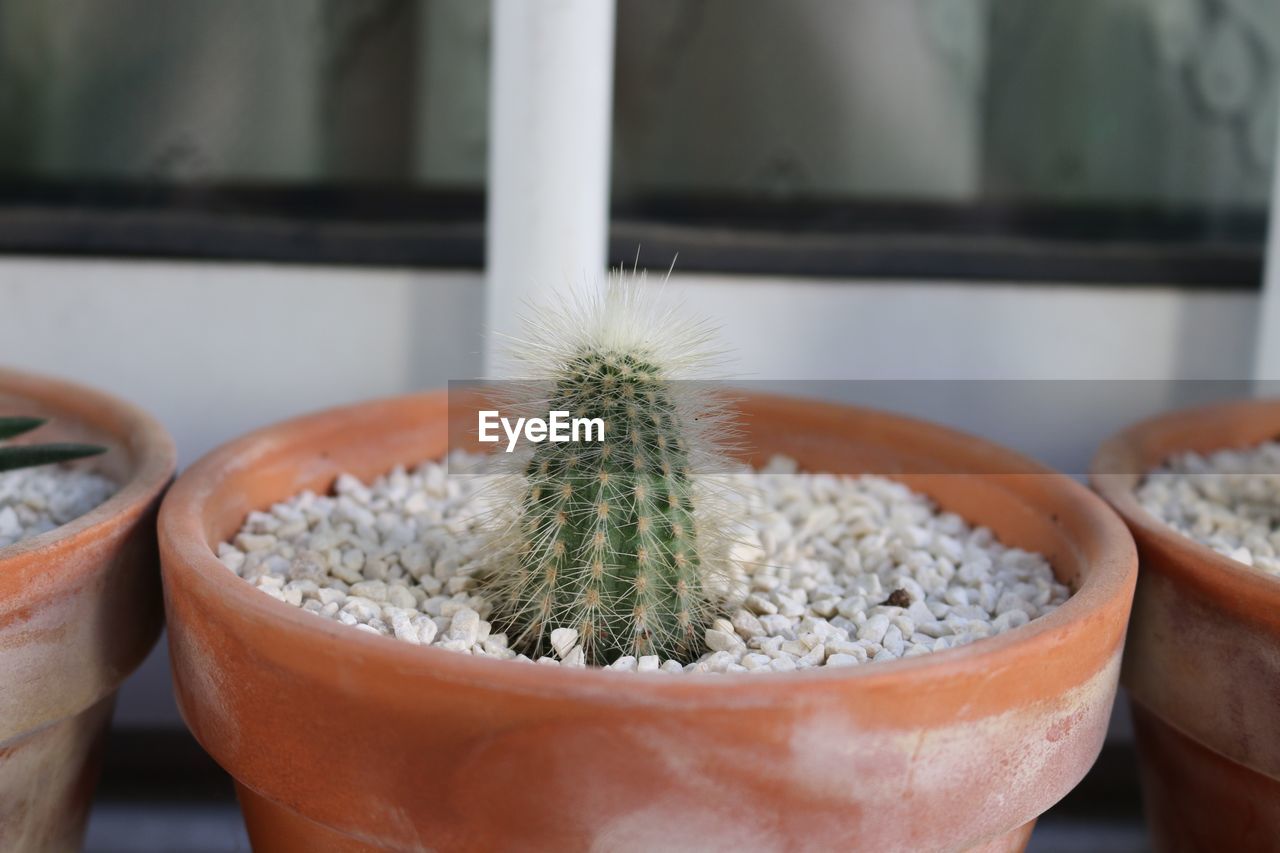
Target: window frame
column 387, row 225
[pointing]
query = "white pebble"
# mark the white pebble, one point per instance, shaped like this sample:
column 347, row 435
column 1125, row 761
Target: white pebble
column 465, row 627
column 1228, row 500
column 721, row 641
column 563, row 640
column 816, row 562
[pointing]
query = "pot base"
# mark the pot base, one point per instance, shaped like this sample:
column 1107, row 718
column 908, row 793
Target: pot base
column 1011, row 842
column 47, row 779
column 1195, row 799
column 273, row 828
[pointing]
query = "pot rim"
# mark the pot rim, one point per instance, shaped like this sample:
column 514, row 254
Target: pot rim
column 1122, row 462
column 188, row 554
column 154, row 459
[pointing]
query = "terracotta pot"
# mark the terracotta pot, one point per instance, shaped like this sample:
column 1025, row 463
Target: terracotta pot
column 1203, row 666
column 80, row 608
column 344, row 741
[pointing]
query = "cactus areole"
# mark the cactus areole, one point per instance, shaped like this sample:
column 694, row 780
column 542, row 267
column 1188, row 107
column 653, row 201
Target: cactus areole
column 609, row 537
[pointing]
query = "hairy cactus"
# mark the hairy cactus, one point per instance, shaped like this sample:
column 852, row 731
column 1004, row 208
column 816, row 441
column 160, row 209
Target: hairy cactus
column 31, row 455
column 618, row 538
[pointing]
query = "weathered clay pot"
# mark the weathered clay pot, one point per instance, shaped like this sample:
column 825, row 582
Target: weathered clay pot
column 344, row 741
column 1203, row 665
column 80, row 608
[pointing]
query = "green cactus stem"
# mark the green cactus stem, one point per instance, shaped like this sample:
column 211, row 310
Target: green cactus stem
column 610, row 537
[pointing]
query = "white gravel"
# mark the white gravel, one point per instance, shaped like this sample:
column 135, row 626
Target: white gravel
column 1228, row 500
column 36, row 500
column 822, row 556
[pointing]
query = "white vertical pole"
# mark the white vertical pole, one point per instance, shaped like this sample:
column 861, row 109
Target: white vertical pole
column 549, row 132
column 1266, row 364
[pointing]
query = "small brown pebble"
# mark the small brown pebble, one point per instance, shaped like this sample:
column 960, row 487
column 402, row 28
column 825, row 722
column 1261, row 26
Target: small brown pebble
column 899, row 598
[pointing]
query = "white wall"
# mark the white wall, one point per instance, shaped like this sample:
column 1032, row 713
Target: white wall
column 825, row 329
column 217, row 349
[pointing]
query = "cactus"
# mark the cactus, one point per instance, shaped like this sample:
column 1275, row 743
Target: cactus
column 31, row 455
column 617, row 539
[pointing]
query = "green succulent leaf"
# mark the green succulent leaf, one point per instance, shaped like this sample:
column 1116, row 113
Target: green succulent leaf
column 29, row 456
column 15, row 426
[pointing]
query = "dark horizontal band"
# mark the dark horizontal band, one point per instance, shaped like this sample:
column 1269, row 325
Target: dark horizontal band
column 396, row 226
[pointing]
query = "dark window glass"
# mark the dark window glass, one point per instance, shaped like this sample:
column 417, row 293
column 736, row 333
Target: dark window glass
column 1028, row 133
column 1080, row 140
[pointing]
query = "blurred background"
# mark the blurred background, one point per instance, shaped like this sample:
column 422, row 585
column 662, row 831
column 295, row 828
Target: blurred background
column 235, row 212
